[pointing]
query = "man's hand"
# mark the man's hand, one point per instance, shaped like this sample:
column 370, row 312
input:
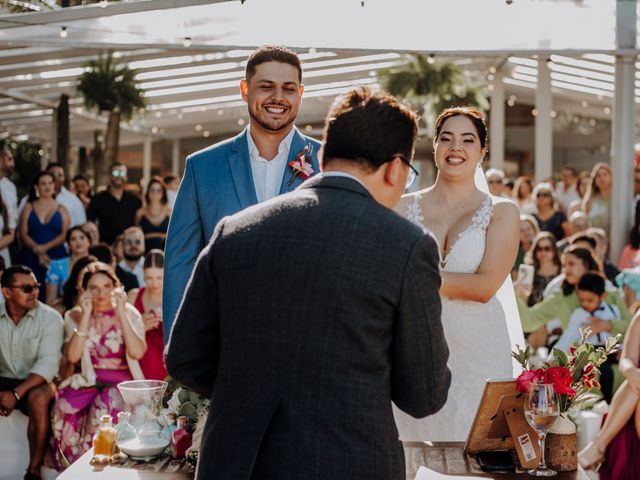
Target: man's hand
column 7, row 403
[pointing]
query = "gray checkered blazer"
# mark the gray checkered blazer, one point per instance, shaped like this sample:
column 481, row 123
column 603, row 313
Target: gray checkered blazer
column 304, row 318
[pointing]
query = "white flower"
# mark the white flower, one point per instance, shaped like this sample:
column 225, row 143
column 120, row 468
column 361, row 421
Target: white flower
column 113, row 340
column 174, row 402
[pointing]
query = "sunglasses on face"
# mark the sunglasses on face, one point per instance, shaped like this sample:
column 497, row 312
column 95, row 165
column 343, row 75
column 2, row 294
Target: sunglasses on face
column 494, row 182
column 413, row 173
column 136, row 241
column 545, row 248
column 544, row 194
column 26, row 288
column 119, row 173
column 155, row 190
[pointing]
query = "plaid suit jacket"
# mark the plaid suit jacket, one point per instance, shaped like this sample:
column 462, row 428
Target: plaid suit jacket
column 304, row 318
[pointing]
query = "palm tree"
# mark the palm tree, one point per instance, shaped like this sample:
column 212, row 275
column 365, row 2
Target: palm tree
column 112, row 88
column 431, row 87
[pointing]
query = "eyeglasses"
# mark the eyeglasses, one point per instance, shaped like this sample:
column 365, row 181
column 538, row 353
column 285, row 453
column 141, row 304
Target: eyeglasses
column 544, row 248
column 26, row 288
column 413, row 173
column 130, row 242
column 119, row 173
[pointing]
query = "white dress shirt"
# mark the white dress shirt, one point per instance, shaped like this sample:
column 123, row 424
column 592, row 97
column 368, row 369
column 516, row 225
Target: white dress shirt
column 267, row 174
column 10, row 198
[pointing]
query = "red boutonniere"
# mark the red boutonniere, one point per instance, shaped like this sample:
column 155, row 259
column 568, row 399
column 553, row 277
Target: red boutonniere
column 301, row 166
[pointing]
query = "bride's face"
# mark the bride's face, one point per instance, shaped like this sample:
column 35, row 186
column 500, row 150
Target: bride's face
column 457, row 148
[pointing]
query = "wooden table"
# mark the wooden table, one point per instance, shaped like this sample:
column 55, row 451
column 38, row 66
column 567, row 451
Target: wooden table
column 449, row 461
column 445, row 459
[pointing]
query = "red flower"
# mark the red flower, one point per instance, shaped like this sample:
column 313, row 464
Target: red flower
column 523, row 382
column 561, row 379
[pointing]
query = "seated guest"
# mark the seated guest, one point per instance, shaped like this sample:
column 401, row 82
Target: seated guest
column 618, row 443
column 593, row 311
column 105, row 343
column 548, row 214
column 91, row 229
column 72, row 285
column 133, row 249
column 30, row 345
column 630, row 249
column 555, row 310
column 602, row 245
column 521, row 194
column 78, row 242
column 495, row 180
column 578, row 222
column 545, row 258
column 528, row 231
column 104, row 254
column 153, row 217
column 148, row 301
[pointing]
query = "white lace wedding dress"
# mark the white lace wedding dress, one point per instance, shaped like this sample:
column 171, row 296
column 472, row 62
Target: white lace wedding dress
column 478, row 336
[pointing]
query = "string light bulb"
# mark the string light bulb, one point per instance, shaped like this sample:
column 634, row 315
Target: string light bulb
column 186, row 42
column 63, row 32
column 431, row 59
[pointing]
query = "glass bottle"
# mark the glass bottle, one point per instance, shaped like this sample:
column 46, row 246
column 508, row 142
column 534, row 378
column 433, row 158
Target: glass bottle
column 171, row 425
column 104, row 440
column 124, row 430
column 180, row 439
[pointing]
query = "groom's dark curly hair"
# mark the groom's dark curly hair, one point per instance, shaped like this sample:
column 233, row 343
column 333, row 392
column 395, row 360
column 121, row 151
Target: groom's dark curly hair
column 368, row 128
column 272, row 53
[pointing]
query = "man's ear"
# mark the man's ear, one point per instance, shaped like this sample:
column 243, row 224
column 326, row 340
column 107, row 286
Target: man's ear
column 244, row 89
column 392, row 172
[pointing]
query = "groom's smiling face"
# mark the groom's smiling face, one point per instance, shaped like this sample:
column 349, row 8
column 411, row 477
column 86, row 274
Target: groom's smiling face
column 273, row 95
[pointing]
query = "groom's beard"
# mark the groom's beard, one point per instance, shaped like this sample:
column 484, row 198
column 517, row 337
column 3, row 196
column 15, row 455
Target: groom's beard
column 273, row 125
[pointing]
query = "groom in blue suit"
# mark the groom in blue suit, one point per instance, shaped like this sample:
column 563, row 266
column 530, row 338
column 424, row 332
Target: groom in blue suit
column 268, row 158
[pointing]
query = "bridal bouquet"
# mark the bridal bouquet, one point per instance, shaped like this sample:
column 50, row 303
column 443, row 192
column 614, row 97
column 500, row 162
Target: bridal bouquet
column 573, row 376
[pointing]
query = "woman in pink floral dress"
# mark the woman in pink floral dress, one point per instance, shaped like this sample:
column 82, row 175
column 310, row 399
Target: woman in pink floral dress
column 104, row 337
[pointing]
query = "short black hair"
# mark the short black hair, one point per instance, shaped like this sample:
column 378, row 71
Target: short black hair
column 102, row 252
column 592, row 282
column 9, row 273
column 272, row 53
column 368, row 128
column 80, row 177
column 584, row 237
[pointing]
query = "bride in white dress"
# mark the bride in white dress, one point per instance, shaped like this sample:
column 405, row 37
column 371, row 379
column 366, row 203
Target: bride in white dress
column 477, row 235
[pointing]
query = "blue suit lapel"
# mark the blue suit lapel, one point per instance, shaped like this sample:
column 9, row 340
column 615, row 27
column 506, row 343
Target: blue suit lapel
column 240, row 166
column 298, row 143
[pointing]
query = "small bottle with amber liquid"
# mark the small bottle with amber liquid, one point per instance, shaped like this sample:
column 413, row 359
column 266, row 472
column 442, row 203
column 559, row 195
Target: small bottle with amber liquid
column 180, row 439
column 104, row 440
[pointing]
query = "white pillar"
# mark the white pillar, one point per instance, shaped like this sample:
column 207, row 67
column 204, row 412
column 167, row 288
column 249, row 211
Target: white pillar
column 175, row 156
column 146, row 160
column 622, row 129
column 497, row 124
column 543, row 124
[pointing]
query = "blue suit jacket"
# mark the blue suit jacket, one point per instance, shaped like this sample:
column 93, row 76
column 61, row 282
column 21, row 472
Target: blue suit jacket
column 217, row 182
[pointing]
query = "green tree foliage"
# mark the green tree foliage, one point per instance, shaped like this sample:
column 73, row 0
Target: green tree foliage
column 432, row 87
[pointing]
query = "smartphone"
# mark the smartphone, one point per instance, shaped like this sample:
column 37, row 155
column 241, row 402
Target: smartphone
column 498, row 461
column 525, row 274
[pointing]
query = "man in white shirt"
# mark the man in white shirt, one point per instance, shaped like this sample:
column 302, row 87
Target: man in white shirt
column 7, row 187
column 133, row 248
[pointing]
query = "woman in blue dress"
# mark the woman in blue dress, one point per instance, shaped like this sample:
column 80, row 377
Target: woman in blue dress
column 43, row 228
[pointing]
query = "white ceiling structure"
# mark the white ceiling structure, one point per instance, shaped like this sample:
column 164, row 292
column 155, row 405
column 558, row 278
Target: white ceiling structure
column 190, row 55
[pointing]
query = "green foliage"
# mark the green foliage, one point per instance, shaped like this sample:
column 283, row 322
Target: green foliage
column 106, row 85
column 432, row 87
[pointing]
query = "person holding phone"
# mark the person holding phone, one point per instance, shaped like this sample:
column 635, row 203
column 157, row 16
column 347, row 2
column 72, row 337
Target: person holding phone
column 104, row 338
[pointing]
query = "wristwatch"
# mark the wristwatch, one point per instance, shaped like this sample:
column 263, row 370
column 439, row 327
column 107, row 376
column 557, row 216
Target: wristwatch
column 79, row 333
column 15, row 394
